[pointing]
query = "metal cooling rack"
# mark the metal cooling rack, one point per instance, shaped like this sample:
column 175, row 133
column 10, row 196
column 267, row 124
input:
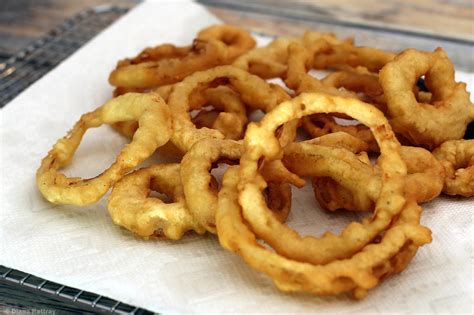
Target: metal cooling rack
column 73, row 299
column 31, row 63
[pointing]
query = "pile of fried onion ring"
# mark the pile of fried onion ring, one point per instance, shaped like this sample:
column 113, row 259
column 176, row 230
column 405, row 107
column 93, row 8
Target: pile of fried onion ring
column 381, row 133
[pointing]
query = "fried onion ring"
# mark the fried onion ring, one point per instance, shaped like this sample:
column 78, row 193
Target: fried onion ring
column 426, row 125
column 230, row 121
column 238, row 40
column 337, row 173
column 166, row 63
column 347, row 55
column 253, row 91
column 260, row 142
column 131, row 207
column 231, row 117
column 196, row 178
column 271, row 61
column 204, row 54
column 300, row 59
column 266, row 62
column 457, row 158
column 356, row 274
column 156, row 53
column 154, row 130
column 318, row 125
column 360, row 82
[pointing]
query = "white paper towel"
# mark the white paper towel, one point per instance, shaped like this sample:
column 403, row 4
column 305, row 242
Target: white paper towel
column 82, row 248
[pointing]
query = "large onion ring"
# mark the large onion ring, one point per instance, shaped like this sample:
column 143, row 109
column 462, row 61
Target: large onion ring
column 154, row 130
column 203, row 55
column 164, row 51
column 166, row 63
column 260, row 142
column 357, row 274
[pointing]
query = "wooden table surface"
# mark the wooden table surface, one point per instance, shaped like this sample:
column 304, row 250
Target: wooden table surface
column 392, row 25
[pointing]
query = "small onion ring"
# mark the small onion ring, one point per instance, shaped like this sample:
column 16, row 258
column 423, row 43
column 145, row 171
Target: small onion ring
column 271, row 61
column 266, row 62
column 131, row 207
column 253, row 91
column 300, row 59
column 359, row 81
column 457, row 158
column 196, row 179
column 238, row 40
column 232, row 118
column 427, row 125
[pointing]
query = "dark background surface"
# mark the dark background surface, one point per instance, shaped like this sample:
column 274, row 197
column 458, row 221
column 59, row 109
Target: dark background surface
column 422, row 23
